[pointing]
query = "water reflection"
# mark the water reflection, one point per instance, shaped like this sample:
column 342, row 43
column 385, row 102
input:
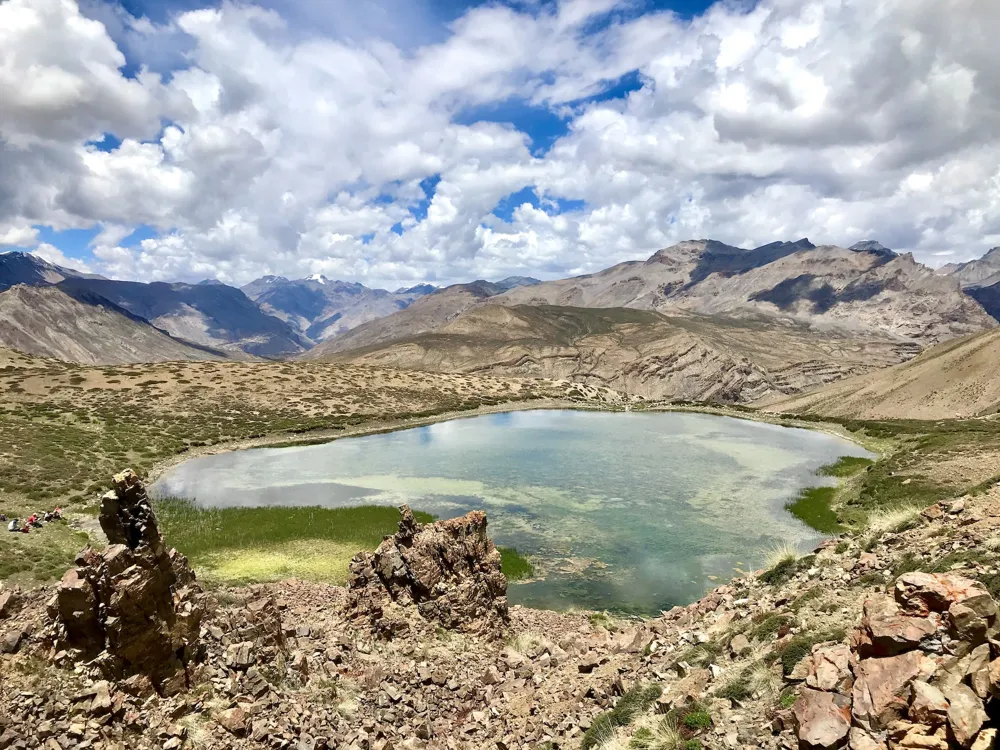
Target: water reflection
column 633, row 511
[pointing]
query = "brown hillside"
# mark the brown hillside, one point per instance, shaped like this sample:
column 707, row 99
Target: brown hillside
column 952, row 380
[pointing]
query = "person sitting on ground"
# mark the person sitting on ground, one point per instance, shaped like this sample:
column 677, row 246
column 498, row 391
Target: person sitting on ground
column 33, row 520
column 3, row 518
column 57, row 514
column 26, row 529
column 48, row 516
column 13, row 525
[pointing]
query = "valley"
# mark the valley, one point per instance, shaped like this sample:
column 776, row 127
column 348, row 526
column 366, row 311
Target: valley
column 689, row 609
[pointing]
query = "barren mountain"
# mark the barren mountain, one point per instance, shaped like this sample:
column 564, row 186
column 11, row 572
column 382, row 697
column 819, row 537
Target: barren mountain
column 641, row 352
column 980, row 272
column 955, row 379
column 211, row 315
column 26, row 268
column 866, row 289
column 45, row 321
column 426, row 314
column 319, row 308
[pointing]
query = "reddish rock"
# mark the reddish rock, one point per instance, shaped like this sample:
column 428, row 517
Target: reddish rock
column 449, row 570
column 923, row 593
column 823, row 719
column 886, row 631
column 233, row 720
column 829, row 668
column 881, row 687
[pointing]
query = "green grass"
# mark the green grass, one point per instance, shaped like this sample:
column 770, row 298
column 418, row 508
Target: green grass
column 515, row 566
column 630, row 705
column 241, row 545
column 813, row 507
column 845, row 466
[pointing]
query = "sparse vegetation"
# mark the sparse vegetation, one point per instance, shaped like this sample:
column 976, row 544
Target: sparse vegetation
column 845, row 466
column 631, row 704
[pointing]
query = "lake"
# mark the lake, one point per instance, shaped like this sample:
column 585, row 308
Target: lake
column 624, row 511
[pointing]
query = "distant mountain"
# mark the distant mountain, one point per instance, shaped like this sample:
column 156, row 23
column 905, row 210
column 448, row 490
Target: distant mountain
column 26, row 268
column 980, row 272
column 514, row 281
column 425, row 314
column 320, row 308
column 212, row 315
column 45, row 321
column 636, row 351
column 866, row 289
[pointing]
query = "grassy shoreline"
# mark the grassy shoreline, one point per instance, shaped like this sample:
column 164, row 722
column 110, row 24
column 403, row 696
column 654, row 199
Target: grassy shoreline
column 256, row 545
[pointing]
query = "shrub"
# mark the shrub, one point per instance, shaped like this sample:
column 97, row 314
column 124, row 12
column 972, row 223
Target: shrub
column 630, row 705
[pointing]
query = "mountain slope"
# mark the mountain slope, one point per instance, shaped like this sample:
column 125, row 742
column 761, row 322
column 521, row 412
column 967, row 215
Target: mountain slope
column 212, row 315
column 319, row 308
column 866, row 289
column 980, row 272
column 956, row 379
column 45, row 321
column 426, row 314
column 637, row 351
column 25, row 268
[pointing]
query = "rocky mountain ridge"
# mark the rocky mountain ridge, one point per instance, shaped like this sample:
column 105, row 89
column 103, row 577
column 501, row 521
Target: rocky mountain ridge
column 45, row 321
column 640, row 352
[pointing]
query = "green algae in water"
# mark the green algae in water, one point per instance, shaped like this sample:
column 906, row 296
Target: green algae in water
column 632, row 512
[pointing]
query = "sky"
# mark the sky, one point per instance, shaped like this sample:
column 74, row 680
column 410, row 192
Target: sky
column 394, row 142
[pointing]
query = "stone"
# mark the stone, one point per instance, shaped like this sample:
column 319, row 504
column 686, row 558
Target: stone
column 829, row 667
column 933, row 512
column 739, row 646
column 823, row 719
column 8, row 603
column 985, row 740
column 978, row 671
column 927, row 704
column 859, row 739
column 233, row 720
column 887, row 631
column 923, row 593
column 881, row 689
column 966, row 714
column 134, row 607
column 448, row 570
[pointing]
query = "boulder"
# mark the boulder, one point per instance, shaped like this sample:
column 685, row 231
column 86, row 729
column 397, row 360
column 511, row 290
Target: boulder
column 132, row 608
column 887, row 631
column 881, row 687
column 927, row 704
column 448, row 570
column 966, row 714
column 823, row 719
column 829, row 668
column 923, row 593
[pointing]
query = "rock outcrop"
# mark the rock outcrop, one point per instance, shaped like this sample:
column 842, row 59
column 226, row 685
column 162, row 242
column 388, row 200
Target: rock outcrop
column 134, row 607
column 923, row 672
column 448, row 570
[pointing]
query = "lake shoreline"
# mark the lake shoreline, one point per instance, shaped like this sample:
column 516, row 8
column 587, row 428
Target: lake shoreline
column 377, row 427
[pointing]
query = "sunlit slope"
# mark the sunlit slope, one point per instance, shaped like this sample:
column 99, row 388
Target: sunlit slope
column 641, row 352
column 959, row 378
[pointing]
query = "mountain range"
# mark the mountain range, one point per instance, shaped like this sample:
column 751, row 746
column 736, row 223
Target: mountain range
column 700, row 319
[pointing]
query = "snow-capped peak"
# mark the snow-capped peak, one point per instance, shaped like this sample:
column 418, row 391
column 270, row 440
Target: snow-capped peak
column 318, row 277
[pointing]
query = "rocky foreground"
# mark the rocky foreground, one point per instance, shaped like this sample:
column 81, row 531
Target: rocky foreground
column 886, row 641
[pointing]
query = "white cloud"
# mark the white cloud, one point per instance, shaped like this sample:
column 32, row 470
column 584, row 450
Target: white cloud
column 53, row 254
column 278, row 147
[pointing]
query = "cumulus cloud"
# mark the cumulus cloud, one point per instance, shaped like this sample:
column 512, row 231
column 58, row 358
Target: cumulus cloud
column 255, row 144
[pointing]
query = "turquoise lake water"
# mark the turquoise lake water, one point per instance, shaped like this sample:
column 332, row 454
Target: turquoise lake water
column 623, row 511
